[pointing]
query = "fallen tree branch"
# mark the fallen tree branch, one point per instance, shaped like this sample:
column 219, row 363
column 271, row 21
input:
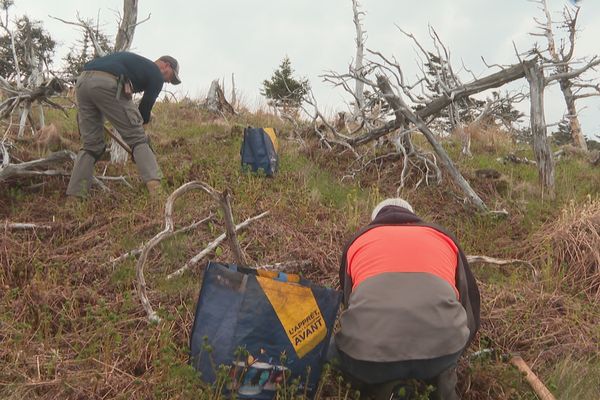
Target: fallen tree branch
column 213, row 245
column 31, row 167
column 285, row 265
column 168, row 231
column 138, row 251
column 475, row 259
column 114, row 178
column 517, row 160
column 536, row 384
column 224, row 200
column 24, row 226
column 401, row 108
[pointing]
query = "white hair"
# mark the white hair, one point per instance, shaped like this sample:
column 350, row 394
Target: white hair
column 391, row 202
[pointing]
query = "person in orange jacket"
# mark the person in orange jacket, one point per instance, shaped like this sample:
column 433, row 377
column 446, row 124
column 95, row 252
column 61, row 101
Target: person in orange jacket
column 411, row 303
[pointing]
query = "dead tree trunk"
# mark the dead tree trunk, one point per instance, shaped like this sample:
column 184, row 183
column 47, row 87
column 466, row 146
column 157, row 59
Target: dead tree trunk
column 576, row 132
column 233, row 93
column 399, row 106
column 358, row 62
column 541, row 148
column 560, row 58
column 123, row 42
column 127, row 26
column 216, row 101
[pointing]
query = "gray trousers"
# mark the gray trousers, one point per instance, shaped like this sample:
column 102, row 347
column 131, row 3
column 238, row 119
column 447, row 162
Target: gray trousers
column 97, row 100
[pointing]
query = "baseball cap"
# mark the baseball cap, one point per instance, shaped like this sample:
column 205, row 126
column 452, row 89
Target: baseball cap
column 175, row 66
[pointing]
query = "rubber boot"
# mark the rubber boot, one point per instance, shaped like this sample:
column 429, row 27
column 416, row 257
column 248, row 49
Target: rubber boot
column 145, row 162
column 81, row 177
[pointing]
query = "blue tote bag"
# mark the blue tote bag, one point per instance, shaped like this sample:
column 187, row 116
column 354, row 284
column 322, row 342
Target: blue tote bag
column 264, row 328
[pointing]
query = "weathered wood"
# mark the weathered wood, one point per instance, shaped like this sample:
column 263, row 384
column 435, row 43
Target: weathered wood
column 475, row 259
column 358, row 62
column 238, row 255
column 494, row 80
column 28, row 168
column 561, row 61
column 541, row 147
column 127, row 26
column 216, row 101
column 516, row 160
column 22, row 226
column 213, row 245
column 536, row 384
column 576, row 132
column 118, row 152
column 398, row 105
column 169, row 231
column 233, row 92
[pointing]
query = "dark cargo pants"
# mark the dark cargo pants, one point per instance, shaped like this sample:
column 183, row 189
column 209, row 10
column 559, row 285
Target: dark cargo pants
column 377, row 380
column 97, row 99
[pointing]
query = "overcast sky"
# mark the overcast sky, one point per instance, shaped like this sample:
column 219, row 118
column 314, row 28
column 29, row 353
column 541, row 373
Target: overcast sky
column 213, row 39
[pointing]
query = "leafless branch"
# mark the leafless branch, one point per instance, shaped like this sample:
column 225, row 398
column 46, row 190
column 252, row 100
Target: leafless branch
column 575, row 72
column 22, row 226
column 168, row 231
column 213, row 245
column 476, row 259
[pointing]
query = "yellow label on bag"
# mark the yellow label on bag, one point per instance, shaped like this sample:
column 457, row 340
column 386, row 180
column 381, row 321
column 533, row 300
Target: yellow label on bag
column 273, row 136
column 298, row 312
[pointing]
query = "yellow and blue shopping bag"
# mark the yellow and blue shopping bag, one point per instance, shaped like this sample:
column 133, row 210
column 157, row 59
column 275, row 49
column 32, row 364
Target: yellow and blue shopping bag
column 259, row 151
column 264, row 327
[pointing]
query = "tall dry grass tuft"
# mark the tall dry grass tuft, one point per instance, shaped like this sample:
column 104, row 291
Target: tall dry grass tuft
column 485, row 138
column 570, row 244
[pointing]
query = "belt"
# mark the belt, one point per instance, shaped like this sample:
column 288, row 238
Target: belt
column 99, row 73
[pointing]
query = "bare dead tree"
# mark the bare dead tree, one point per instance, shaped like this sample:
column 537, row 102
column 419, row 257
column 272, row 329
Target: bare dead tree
column 358, row 61
column 29, row 87
column 233, row 92
column 541, row 148
column 216, row 101
column 446, row 91
column 24, row 97
column 428, row 107
column 433, row 91
column 559, row 58
column 127, row 25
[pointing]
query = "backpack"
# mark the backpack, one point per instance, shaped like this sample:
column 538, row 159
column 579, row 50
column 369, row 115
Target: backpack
column 259, row 150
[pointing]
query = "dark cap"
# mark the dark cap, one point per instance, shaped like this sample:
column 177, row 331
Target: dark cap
column 175, row 66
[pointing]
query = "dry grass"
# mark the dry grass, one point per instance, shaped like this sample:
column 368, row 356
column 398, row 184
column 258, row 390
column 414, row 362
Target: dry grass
column 570, row 245
column 486, row 138
column 543, row 327
column 71, row 325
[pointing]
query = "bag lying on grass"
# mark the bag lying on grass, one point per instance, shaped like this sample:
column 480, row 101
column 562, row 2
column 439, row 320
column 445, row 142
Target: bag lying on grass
column 259, row 329
column 259, row 150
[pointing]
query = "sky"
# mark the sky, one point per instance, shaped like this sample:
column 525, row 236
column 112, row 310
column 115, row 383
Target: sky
column 249, row 38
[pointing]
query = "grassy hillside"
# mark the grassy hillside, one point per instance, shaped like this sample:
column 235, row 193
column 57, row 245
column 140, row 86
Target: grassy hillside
column 71, row 325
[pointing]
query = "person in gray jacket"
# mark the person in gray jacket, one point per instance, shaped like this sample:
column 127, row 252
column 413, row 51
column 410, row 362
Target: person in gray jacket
column 411, row 304
column 104, row 91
